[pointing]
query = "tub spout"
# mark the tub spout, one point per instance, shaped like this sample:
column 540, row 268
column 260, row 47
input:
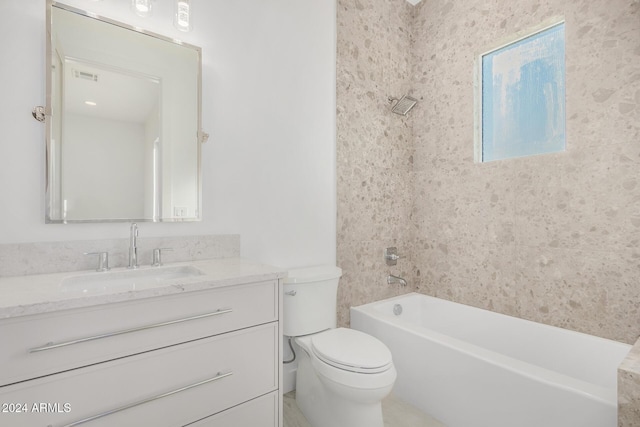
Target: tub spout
column 391, row 279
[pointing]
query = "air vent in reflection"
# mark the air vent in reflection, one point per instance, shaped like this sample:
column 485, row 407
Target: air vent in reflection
column 85, row 75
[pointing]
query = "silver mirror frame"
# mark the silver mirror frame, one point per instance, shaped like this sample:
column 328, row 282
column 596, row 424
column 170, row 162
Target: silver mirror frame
column 202, row 136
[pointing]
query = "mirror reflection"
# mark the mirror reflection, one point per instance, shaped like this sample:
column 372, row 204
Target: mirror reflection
column 123, row 123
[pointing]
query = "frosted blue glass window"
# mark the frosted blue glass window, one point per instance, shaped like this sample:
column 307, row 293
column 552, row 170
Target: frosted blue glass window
column 523, row 97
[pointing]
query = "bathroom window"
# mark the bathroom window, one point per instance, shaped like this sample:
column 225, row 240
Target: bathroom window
column 520, row 96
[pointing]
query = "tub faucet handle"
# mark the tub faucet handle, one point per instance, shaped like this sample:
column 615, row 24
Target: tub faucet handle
column 391, row 255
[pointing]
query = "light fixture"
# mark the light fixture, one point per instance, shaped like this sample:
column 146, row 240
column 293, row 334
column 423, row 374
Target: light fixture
column 90, row 103
column 182, row 16
column 142, row 7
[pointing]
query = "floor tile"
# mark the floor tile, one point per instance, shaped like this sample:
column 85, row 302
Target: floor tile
column 396, row 413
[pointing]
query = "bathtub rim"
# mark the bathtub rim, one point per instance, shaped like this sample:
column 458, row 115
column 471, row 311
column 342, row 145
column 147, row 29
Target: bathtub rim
column 589, row 390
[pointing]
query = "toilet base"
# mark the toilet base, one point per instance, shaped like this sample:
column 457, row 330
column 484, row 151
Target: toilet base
column 324, row 407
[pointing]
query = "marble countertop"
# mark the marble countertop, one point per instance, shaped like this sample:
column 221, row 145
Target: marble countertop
column 43, row 293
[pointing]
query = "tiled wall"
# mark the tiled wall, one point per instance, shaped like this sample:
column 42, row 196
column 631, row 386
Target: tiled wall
column 374, row 148
column 552, row 238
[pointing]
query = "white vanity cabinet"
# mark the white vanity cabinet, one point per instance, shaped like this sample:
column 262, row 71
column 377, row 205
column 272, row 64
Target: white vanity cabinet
column 207, row 358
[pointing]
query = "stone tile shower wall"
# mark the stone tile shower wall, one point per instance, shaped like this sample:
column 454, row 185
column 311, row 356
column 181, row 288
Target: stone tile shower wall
column 552, row 238
column 374, row 149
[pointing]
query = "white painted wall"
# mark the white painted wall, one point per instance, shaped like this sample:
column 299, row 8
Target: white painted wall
column 268, row 103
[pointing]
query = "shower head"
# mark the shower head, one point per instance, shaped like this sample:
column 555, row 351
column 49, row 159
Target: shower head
column 403, row 105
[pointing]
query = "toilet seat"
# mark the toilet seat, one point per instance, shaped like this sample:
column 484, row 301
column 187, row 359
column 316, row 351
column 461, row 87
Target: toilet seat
column 338, row 368
column 351, row 350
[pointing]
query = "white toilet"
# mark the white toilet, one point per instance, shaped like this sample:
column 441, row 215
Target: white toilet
column 343, row 374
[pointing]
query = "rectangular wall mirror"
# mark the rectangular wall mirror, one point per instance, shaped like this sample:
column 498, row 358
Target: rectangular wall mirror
column 123, row 120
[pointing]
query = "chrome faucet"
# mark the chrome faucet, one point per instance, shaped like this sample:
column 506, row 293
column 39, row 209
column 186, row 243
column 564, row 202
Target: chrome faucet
column 133, row 246
column 391, row 279
column 103, row 260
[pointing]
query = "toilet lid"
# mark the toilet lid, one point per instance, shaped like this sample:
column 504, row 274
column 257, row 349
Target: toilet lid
column 351, row 350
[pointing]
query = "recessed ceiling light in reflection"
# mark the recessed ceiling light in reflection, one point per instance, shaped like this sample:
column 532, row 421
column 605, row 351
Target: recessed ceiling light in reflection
column 182, row 16
column 91, row 103
column 141, row 7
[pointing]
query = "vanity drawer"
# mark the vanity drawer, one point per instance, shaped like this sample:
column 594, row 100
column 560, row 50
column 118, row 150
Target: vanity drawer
column 259, row 412
column 169, row 387
column 110, row 331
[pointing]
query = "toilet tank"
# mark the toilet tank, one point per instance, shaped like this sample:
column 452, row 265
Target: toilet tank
column 310, row 296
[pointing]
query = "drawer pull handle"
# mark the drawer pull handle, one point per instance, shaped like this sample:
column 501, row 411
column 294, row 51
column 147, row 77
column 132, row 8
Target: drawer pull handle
column 218, row 376
column 51, row 346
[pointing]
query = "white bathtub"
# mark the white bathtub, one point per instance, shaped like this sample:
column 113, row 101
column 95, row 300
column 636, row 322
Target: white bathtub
column 469, row 367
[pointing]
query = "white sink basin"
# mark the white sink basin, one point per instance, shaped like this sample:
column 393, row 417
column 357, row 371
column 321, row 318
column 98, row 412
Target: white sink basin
column 127, row 280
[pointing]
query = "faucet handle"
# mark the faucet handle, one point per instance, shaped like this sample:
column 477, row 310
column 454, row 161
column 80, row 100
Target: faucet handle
column 157, row 256
column 391, row 255
column 103, row 260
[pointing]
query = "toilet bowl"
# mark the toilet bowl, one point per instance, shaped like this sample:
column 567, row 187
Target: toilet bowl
column 343, row 374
